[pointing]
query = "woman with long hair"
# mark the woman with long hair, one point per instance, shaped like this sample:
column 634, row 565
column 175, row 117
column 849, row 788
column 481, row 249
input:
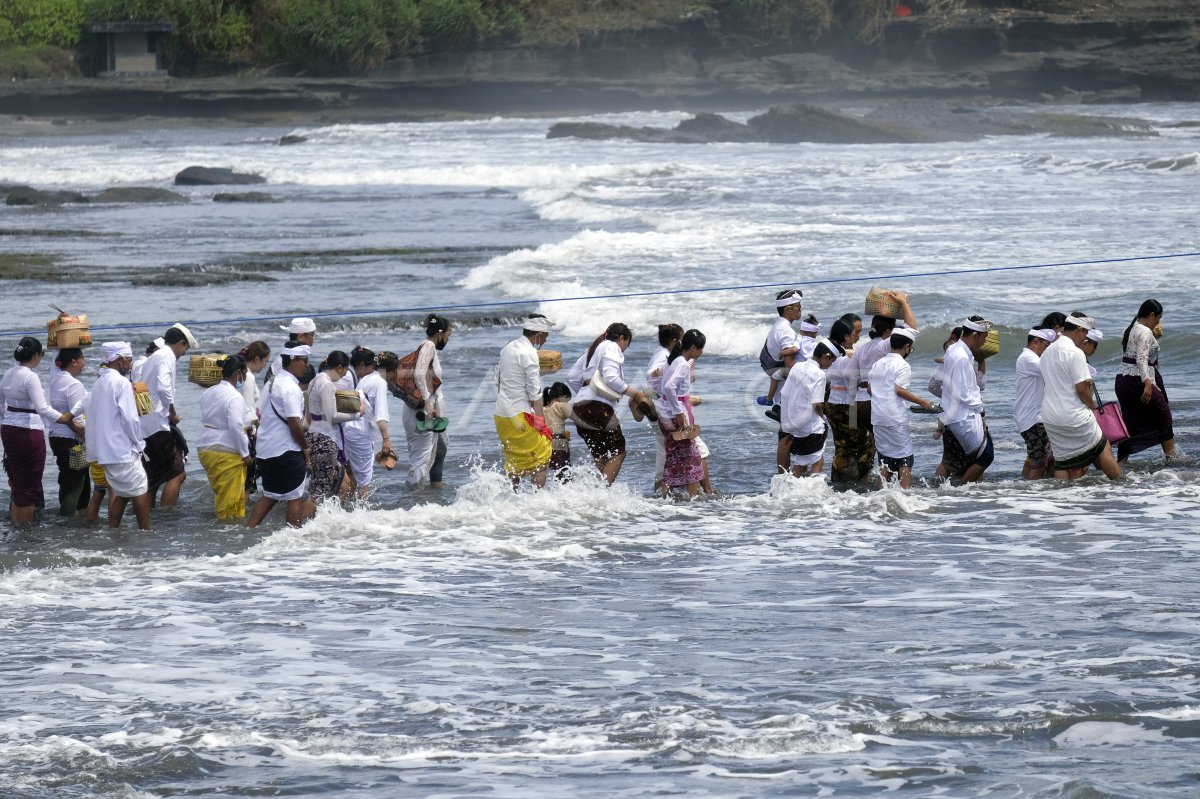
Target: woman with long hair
column 848, row 408
column 596, row 402
column 1140, row 388
column 683, row 467
column 25, row 415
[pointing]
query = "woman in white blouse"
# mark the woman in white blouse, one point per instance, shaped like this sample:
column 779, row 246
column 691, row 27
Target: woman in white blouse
column 603, row 385
column 425, row 427
column 1140, row 388
column 25, row 415
column 224, row 445
column 324, row 430
column 683, row 465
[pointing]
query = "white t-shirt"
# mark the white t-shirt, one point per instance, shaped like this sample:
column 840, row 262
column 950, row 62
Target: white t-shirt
column 804, row 387
column 1070, row 425
column 779, row 338
column 658, row 363
column 158, row 373
column 888, row 407
column 283, row 400
column 1028, row 390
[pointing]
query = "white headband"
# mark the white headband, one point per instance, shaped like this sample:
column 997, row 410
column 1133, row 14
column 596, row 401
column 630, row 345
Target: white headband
column 829, row 345
column 299, row 351
column 116, row 349
column 791, row 298
column 1095, row 335
column 538, row 324
column 1044, row 335
column 808, row 327
column 1086, row 322
column 979, row 327
column 907, row 332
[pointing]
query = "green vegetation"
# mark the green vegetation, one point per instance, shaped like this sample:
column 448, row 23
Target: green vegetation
column 325, row 37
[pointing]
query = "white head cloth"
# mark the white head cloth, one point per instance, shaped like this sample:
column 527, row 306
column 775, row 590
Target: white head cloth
column 159, row 343
column 299, row 351
column 978, row 327
column 793, row 297
column 829, row 345
column 809, row 327
column 1045, row 335
column 300, row 325
column 538, row 324
column 116, row 349
column 1086, row 322
column 907, row 332
column 1096, row 335
column 187, row 334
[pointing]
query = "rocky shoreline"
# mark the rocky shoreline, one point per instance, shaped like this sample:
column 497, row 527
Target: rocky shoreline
column 1147, row 50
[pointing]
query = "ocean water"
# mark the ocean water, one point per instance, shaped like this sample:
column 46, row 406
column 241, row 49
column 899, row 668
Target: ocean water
column 783, row 639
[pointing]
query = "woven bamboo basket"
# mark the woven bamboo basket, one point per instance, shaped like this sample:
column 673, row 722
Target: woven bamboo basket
column 991, row 345
column 141, row 397
column 549, row 361
column 348, row 402
column 68, row 331
column 879, row 304
column 205, row 370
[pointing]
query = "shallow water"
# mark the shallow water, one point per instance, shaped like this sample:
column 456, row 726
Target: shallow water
column 1001, row 640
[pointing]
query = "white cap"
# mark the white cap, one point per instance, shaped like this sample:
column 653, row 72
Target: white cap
column 298, row 351
column 300, row 325
column 1046, row 334
column 112, row 350
column 538, row 324
column 1096, row 335
column 1086, row 322
column 187, row 334
column 159, row 343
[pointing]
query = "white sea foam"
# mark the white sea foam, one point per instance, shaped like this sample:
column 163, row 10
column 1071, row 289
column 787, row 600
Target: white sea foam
column 1086, row 734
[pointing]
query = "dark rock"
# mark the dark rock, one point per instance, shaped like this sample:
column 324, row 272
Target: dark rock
column 215, row 176
column 806, row 123
column 27, row 195
column 714, row 127
column 138, row 194
column 245, row 197
column 292, row 138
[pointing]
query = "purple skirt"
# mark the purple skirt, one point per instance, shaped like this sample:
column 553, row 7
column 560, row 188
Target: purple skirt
column 1150, row 422
column 25, row 461
column 683, row 465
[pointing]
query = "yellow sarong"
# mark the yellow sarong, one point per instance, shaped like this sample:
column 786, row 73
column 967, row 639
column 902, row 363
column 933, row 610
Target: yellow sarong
column 99, row 479
column 525, row 450
column 227, row 476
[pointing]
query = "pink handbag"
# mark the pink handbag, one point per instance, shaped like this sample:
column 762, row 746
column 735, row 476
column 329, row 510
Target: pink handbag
column 1112, row 423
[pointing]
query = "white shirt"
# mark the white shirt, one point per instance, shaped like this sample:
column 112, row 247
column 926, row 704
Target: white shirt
column 158, row 374
column 1142, row 348
column 359, row 428
column 674, row 387
column 1070, row 425
column 113, row 433
column 658, row 363
column 1028, row 391
column 609, row 360
column 250, row 395
column 780, row 337
column 869, row 354
column 429, row 364
column 518, row 379
column 807, row 345
column 283, row 399
column 223, row 414
column 804, row 387
column 960, row 387
column 135, row 372
column 21, row 388
column 65, row 392
column 374, row 388
column 888, row 407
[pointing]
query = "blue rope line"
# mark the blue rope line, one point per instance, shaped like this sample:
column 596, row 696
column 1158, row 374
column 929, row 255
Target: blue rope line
column 626, row 295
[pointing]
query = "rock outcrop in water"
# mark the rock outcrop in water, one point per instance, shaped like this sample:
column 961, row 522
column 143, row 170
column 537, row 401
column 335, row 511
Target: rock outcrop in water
column 892, row 123
column 27, row 195
column 215, row 176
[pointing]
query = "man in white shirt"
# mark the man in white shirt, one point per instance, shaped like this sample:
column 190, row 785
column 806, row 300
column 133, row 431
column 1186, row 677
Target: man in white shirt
column 114, row 437
column 66, row 392
column 967, row 449
column 520, row 423
column 1067, row 406
column 1027, row 404
column 164, row 458
column 889, row 380
column 283, row 453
